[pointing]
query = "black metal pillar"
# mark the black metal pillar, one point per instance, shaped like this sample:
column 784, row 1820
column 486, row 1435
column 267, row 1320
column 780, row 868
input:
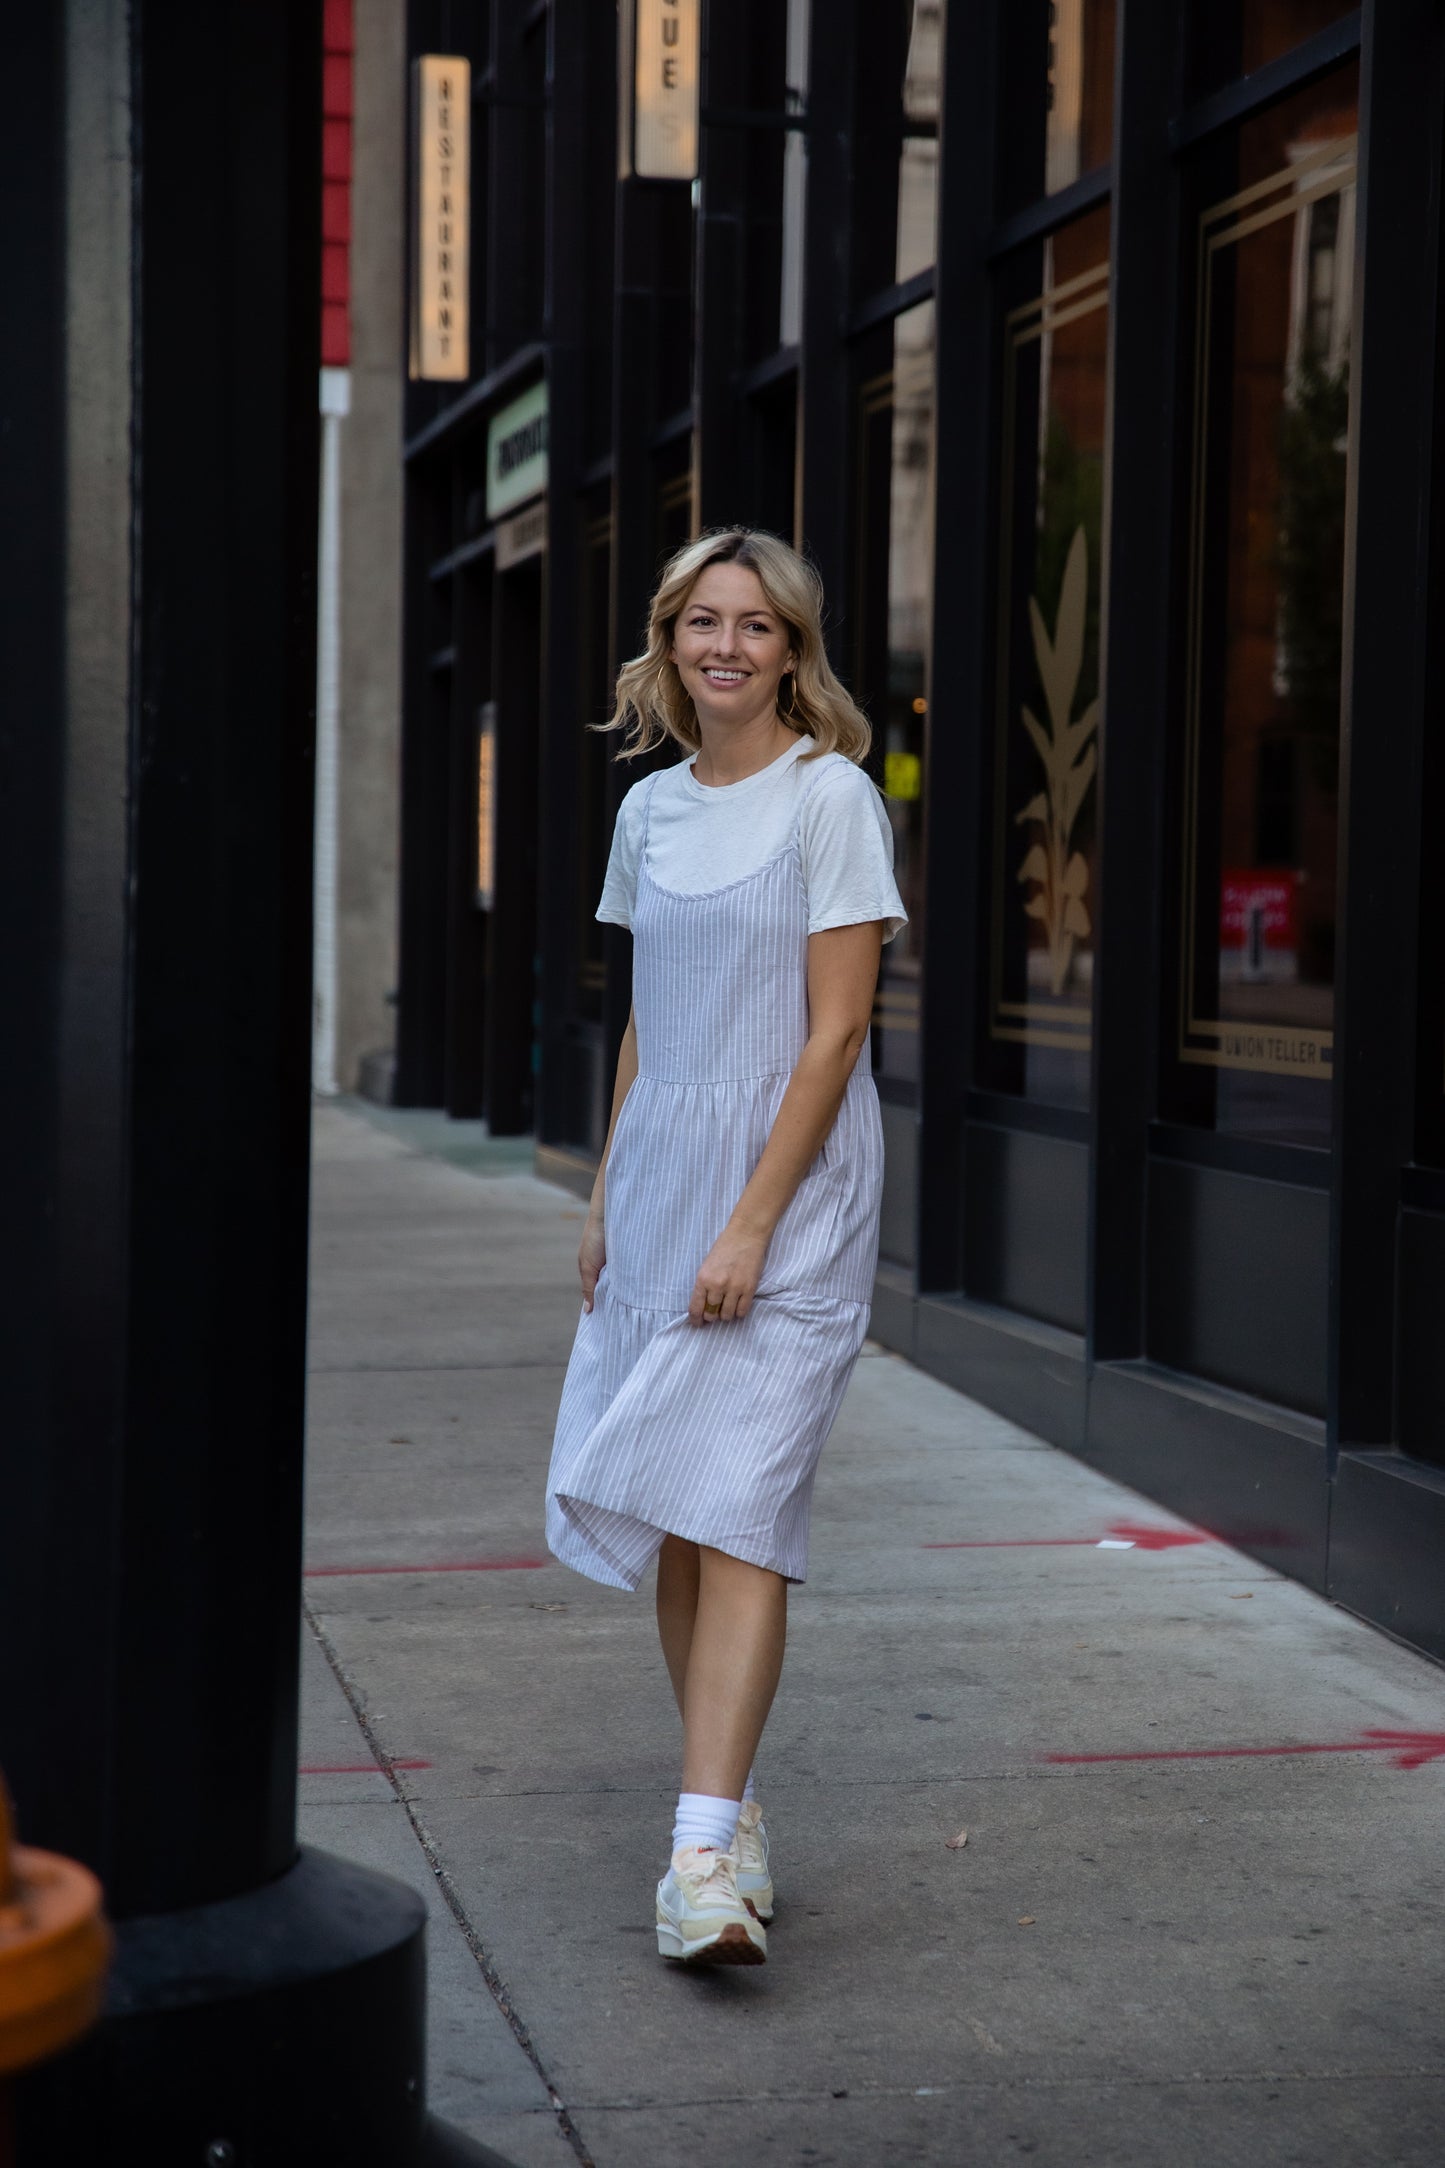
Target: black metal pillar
column 1143, row 408
column 826, row 420
column 959, row 668
column 1395, row 359
column 158, row 381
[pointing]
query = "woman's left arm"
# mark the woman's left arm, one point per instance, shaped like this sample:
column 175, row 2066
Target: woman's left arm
column 842, row 980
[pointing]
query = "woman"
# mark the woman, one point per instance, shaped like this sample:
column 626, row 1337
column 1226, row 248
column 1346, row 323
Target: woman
column 727, row 1262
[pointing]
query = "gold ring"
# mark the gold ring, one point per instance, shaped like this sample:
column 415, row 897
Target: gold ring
column 710, row 1309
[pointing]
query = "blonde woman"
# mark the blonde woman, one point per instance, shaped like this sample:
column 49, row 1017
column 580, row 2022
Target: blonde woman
column 727, row 1262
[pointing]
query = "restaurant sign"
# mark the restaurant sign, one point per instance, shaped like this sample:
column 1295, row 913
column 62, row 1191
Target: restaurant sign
column 441, row 285
column 666, row 35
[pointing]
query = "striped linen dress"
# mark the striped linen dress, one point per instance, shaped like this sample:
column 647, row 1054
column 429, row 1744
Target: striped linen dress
column 713, row 1433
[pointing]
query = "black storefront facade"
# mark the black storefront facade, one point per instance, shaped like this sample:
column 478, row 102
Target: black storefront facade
column 1092, row 350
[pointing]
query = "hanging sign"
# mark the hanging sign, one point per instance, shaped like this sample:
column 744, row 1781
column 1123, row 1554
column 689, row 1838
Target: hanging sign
column 517, row 452
column 441, row 285
column 522, row 536
column 486, row 804
column 666, row 38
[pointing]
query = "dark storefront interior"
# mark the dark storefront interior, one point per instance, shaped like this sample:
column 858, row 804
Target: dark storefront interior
column 1092, row 352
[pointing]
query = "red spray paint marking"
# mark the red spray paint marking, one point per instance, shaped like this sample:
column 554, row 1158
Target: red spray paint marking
column 1135, row 1536
column 1410, row 1749
column 357, row 1768
column 450, row 1565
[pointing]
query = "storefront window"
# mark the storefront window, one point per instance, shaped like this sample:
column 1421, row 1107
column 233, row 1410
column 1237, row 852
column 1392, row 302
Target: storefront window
column 895, row 475
column 1231, row 38
column 918, row 156
column 1254, row 1035
column 1048, row 715
column 1058, row 73
column 674, row 512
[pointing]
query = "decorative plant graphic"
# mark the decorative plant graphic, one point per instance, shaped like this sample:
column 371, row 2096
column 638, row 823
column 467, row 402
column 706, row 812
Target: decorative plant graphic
column 1070, row 756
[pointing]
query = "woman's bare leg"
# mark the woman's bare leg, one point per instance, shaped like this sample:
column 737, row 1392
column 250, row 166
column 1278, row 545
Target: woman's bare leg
column 732, row 1665
column 678, row 1573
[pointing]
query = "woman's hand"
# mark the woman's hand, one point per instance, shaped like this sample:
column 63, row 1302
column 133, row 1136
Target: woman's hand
column 728, row 1278
column 591, row 1257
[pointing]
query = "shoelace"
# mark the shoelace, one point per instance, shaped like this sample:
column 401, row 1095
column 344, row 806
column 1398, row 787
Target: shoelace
column 711, row 1868
column 751, row 1849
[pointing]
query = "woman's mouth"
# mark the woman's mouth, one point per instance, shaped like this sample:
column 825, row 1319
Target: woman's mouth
column 725, row 677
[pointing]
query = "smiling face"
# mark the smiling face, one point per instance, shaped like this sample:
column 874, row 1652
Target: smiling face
column 730, row 646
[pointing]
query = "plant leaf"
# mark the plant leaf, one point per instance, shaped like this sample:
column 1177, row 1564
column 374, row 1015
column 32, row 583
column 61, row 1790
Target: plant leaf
column 1079, row 733
column 1036, row 866
column 1069, row 630
column 1037, row 809
column 1036, row 907
column 1076, row 784
column 1042, row 743
column 1076, row 918
column 1076, row 875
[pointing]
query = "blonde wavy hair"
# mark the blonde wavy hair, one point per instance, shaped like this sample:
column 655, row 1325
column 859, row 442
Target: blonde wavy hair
column 652, row 703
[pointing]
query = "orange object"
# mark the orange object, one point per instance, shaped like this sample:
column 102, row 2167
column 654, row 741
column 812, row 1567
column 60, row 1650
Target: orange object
column 55, row 1949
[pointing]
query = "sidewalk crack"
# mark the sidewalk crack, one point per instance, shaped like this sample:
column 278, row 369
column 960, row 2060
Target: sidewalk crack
column 496, row 1986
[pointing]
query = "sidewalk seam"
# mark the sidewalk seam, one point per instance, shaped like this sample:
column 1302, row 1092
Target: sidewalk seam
column 496, row 1987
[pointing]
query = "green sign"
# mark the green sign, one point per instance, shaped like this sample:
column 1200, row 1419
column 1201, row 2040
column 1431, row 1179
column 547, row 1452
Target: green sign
column 517, row 452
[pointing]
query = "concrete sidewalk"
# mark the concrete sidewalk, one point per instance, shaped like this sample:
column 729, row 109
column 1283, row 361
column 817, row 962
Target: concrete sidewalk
column 1225, row 1957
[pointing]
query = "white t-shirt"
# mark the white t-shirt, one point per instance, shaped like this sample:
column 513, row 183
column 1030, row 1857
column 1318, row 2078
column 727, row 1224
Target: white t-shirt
column 701, row 837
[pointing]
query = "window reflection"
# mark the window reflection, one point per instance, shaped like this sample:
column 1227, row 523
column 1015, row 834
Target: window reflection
column 1267, row 603
column 918, row 156
column 1234, row 37
column 1044, row 872
column 1079, row 110
column 895, row 474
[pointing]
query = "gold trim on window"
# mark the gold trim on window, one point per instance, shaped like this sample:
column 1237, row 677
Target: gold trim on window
column 1276, row 1049
column 1067, row 747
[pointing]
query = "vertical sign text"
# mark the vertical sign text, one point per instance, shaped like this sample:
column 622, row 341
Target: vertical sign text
column 439, row 345
column 664, row 138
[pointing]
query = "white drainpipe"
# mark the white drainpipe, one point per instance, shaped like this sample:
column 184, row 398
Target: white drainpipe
column 335, row 405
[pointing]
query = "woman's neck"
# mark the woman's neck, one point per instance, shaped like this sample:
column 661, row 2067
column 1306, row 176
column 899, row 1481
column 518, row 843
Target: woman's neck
column 731, row 752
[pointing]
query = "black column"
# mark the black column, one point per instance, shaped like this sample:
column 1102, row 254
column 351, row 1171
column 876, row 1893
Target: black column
column 1394, row 362
column 158, row 380
column 954, row 926
column 826, row 417
column 1143, row 425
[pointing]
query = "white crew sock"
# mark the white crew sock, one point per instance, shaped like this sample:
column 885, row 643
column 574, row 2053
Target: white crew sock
column 704, row 1821
column 750, row 1789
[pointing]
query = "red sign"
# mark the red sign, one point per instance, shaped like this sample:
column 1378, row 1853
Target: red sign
column 1257, row 910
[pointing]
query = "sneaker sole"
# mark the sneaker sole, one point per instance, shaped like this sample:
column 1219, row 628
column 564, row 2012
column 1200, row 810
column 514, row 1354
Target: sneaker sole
column 733, row 1945
column 760, row 1906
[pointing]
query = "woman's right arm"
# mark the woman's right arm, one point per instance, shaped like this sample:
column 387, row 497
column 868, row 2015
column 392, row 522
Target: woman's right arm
column 593, row 1253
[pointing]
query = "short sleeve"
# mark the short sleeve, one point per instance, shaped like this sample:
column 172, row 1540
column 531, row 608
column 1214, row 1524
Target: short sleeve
column 847, row 845
column 619, row 890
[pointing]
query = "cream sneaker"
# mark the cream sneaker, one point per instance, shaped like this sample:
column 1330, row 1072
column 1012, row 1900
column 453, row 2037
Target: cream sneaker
column 749, row 1854
column 700, row 1916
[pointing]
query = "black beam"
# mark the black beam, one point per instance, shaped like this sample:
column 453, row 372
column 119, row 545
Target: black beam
column 1394, row 364
column 570, row 178
column 720, row 257
column 158, row 377
column 1264, row 86
column 954, row 752
column 1143, row 407
column 1046, row 216
column 826, row 420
